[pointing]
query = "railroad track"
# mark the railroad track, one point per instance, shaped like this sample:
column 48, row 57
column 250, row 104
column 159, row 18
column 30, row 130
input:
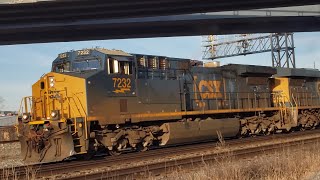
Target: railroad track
column 154, row 169
column 8, row 142
column 128, row 162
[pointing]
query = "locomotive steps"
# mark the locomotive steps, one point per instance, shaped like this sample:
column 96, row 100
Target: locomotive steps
column 166, row 159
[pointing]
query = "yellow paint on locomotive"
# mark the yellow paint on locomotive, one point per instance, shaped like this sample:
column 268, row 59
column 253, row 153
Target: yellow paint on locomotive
column 66, row 94
column 55, row 98
column 212, row 89
column 206, row 89
column 281, row 85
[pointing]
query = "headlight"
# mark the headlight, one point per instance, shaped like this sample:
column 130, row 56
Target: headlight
column 53, row 114
column 25, row 117
column 51, row 81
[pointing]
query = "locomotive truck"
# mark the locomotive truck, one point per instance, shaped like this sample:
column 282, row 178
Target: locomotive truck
column 108, row 100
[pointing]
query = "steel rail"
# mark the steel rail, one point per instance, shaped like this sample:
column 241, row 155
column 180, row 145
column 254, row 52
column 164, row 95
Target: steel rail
column 154, row 169
column 8, row 142
column 64, row 167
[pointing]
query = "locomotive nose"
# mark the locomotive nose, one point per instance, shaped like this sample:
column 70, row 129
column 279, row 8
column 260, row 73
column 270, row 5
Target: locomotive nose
column 40, row 145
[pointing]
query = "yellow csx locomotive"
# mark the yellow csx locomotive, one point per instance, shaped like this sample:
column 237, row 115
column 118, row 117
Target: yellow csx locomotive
column 108, row 100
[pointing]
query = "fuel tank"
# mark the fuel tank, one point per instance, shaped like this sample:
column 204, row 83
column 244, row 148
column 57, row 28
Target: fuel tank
column 202, row 130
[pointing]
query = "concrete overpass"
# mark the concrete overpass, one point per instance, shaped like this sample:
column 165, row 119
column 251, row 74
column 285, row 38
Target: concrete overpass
column 109, row 9
column 68, row 21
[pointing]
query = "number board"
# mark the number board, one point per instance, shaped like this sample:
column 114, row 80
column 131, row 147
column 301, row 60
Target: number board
column 121, row 85
column 83, row 52
column 63, row 55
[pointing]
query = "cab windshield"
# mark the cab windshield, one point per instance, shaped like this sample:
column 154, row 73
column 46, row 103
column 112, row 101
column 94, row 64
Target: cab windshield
column 85, row 65
column 61, row 67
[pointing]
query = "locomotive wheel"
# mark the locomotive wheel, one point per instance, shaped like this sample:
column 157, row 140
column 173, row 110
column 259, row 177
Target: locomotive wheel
column 114, row 152
column 141, row 148
column 267, row 133
column 86, row 156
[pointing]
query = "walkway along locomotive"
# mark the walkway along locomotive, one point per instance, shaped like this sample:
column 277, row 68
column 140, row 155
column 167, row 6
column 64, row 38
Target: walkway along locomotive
column 99, row 99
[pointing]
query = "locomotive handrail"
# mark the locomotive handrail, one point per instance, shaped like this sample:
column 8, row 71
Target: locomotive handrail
column 72, row 107
column 288, row 100
column 295, row 102
column 279, row 101
column 304, row 99
column 85, row 116
column 20, row 107
column 24, row 101
column 75, row 120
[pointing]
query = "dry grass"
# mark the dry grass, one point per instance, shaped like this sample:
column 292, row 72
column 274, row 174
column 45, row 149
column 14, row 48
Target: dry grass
column 10, row 155
column 10, row 158
column 11, row 174
column 301, row 162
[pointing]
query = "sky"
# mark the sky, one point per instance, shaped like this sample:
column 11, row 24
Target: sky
column 22, row 65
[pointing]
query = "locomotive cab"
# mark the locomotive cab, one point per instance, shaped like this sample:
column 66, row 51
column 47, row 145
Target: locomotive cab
column 120, row 71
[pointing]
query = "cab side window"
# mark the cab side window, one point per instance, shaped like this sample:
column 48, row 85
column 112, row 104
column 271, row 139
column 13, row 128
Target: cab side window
column 119, row 67
column 113, row 66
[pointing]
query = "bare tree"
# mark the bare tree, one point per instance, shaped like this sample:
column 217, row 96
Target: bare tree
column 1, row 102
